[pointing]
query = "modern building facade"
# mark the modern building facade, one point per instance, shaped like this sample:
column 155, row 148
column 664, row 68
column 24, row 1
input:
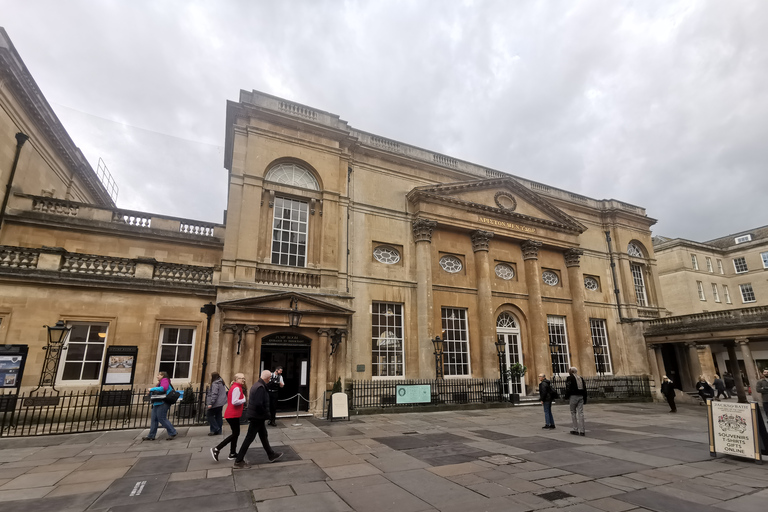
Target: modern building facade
column 342, row 256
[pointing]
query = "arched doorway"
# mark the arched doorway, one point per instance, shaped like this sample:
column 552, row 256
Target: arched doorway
column 508, row 332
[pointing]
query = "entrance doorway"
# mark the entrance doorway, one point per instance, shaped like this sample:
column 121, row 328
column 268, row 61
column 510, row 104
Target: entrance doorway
column 671, row 367
column 508, row 332
column 291, row 351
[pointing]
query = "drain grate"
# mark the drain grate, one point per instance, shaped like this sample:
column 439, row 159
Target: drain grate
column 555, row 495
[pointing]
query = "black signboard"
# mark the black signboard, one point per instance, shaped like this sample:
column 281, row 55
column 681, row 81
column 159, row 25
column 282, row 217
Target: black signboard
column 121, row 365
column 285, row 338
column 12, row 361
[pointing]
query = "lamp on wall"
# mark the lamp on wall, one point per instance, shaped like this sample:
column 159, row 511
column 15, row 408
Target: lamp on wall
column 294, row 317
column 335, row 342
column 438, row 344
column 56, row 336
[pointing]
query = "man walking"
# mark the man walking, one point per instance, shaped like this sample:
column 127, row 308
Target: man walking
column 762, row 388
column 258, row 413
column 576, row 394
column 668, row 390
column 275, row 383
column 546, row 395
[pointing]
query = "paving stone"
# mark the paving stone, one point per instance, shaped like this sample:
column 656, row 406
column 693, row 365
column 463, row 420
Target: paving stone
column 70, row 503
column 323, row 502
column 603, row 468
column 219, row 472
column 56, row 466
column 590, row 490
column 542, row 474
column 682, row 453
column 565, row 457
column 537, row 443
column 145, row 489
column 467, row 479
column 751, row 503
column 492, row 434
column 27, row 481
column 611, row 505
column 189, row 488
column 410, row 442
column 431, row 488
column 351, row 471
column 272, row 493
column 624, row 483
column 159, row 465
column 519, row 485
column 80, row 488
column 6, row 472
column 310, row 488
column 213, row 503
column 491, row 489
column 457, row 469
column 376, row 494
column 24, row 494
column 246, row 480
column 662, row 502
column 530, row 500
column 188, row 475
column 333, row 458
column 631, row 456
column 93, row 475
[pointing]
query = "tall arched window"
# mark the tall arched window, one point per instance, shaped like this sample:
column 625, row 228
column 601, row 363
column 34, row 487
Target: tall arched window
column 508, row 333
column 636, row 251
column 292, row 174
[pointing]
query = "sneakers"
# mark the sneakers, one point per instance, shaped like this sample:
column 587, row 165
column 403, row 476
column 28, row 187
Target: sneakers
column 545, row 426
column 272, row 424
column 581, row 434
column 548, row 426
column 215, row 454
column 575, row 432
column 241, row 465
column 170, row 438
column 148, row 438
column 275, row 456
column 232, row 456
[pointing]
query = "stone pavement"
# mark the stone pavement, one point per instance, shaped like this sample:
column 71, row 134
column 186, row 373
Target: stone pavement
column 634, row 457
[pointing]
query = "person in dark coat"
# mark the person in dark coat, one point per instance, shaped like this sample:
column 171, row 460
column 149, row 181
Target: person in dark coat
column 720, row 387
column 257, row 412
column 668, row 390
column 215, row 401
column 704, row 389
column 546, row 397
column 576, row 394
column 730, row 383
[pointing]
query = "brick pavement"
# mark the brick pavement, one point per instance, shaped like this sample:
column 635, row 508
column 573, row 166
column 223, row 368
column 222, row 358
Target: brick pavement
column 634, row 457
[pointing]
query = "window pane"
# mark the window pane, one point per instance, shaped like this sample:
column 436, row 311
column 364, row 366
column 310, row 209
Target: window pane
column 185, row 336
column 94, row 352
column 167, row 368
column 170, row 335
column 182, row 371
column 78, row 333
column 75, row 352
column 91, row 371
column 71, row 371
column 292, row 229
column 184, row 353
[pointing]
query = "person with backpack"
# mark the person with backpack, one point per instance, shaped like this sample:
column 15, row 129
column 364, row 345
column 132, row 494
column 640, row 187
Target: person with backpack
column 576, row 394
column 157, row 396
column 258, row 413
column 547, row 394
column 235, row 404
column 216, row 400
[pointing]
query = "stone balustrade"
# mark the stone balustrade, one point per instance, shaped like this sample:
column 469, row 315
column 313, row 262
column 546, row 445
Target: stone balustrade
column 188, row 274
column 18, row 257
column 707, row 321
column 288, row 278
column 97, row 265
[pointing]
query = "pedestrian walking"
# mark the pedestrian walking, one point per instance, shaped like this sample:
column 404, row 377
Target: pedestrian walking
column 704, row 389
column 762, row 388
column 160, row 408
column 235, row 402
column 257, row 412
column 217, row 399
column 273, row 386
column 547, row 394
column 668, row 390
column 719, row 387
column 576, row 394
column 730, row 384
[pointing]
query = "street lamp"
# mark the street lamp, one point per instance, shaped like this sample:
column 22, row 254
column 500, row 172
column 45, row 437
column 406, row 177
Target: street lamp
column 599, row 351
column 438, row 343
column 56, row 336
column 554, row 352
column 501, row 349
column 294, row 317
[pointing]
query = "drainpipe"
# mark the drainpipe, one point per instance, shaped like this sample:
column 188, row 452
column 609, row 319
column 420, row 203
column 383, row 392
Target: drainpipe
column 613, row 272
column 21, row 138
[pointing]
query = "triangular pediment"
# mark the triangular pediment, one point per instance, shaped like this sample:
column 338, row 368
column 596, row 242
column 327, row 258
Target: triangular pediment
column 503, row 197
column 284, row 302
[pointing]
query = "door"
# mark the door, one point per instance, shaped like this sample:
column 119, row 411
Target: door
column 295, row 363
column 508, row 332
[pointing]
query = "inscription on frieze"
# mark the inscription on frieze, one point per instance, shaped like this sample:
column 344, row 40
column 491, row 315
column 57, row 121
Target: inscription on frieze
column 505, row 224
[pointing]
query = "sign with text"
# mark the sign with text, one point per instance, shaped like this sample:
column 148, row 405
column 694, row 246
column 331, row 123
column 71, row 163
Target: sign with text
column 121, row 365
column 413, row 394
column 505, row 224
column 12, row 359
column 285, row 338
column 733, row 429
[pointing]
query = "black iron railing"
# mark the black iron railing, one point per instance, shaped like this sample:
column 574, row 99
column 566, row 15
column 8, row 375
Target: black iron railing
column 382, row 393
column 71, row 412
column 610, row 387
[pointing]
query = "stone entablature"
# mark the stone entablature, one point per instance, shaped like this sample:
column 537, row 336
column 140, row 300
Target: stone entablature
column 704, row 322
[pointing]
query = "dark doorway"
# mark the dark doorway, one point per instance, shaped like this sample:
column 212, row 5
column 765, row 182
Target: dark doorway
column 291, row 351
column 671, row 367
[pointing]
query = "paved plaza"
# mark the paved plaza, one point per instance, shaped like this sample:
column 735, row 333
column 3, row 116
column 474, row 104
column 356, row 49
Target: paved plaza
column 634, row 457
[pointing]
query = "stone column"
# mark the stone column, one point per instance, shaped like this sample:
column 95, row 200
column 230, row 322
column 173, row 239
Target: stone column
column 749, row 366
column 741, row 392
column 483, row 348
column 582, row 334
column 323, row 349
column 539, row 342
column 693, row 361
column 707, row 362
column 653, row 365
column 660, row 363
column 422, row 235
column 228, row 339
column 248, row 364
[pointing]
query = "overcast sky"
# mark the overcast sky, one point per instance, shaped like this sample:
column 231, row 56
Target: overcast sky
column 659, row 104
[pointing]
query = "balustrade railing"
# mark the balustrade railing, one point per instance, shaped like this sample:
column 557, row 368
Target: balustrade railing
column 55, row 206
column 132, row 218
column 18, row 257
column 97, row 265
column 183, row 273
column 197, row 229
column 287, row 278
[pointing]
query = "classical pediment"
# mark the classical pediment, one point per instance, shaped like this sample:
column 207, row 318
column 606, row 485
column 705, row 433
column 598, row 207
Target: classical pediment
column 284, row 302
column 503, row 199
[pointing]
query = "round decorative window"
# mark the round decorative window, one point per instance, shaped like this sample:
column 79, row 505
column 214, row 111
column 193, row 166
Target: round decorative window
column 590, row 283
column 505, row 271
column 550, row 278
column 386, row 254
column 451, row 264
column 634, row 251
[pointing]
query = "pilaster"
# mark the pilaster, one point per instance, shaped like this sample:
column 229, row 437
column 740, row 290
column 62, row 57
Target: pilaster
column 582, row 334
column 539, row 341
column 484, row 348
column 422, row 236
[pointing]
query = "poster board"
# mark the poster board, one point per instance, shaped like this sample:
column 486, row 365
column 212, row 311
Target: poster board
column 413, row 394
column 339, row 406
column 733, row 430
column 120, row 366
column 12, row 361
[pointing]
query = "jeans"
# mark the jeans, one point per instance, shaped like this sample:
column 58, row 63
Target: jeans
column 234, row 424
column 255, row 427
column 214, row 419
column 160, row 415
column 548, row 419
column 577, row 412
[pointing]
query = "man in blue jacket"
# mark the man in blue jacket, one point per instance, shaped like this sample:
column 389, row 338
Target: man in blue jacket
column 257, row 412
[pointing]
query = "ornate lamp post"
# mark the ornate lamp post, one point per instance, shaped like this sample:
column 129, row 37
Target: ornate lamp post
column 554, row 352
column 56, row 336
column 294, row 317
column 599, row 351
column 438, row 343
column 501, row 349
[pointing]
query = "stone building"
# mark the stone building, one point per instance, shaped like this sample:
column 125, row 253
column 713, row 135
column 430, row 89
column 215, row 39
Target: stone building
column 717, row 292
column 342, row 256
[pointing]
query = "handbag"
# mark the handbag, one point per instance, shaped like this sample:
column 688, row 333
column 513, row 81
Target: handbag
column 171, row 397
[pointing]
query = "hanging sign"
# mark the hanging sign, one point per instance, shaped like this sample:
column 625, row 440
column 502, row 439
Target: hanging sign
column 733, row 429
column 121, row 365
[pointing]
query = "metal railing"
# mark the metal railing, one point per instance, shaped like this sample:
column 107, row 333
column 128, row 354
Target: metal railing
column 382, row 393
column 611, row 387
column 91, row 410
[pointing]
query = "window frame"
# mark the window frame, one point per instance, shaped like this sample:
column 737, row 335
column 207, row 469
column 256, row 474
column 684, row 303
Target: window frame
column 736, row 266
column 595, row 326
column 700, row 288
column 463, row 328
column 742, row 239
column 65, row 351
column 694, row 262
column 556, row 321
column 720, row 266
column 715, row 293
column 764, row 257
column 710, row 269
column 394, row 328
column 273, row 229
column 159, row 360
column 638, row 279
column 727, row 294
column 750, row 291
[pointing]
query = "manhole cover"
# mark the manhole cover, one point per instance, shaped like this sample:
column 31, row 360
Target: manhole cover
column 500, row 460
column 555, row 495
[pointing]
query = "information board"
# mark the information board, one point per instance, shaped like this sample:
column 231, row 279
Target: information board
column 121, row 365
column 733, row 429
column 12, row 360
column 413, row 394
column 339, row 406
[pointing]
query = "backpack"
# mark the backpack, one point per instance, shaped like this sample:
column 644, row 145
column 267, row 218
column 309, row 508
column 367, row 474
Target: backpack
column 172, row 396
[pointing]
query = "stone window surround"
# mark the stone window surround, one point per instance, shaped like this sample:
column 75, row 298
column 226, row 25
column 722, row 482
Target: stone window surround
column 383, row 248
column 162, row 326
column 62, row 362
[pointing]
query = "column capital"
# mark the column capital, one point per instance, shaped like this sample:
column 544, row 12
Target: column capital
column 422, row 230
column 480, row 240
column 691, row 344
column 741, row 341
column 530, row 249
column 652, row 346
column 324, row 332
column 572, row 257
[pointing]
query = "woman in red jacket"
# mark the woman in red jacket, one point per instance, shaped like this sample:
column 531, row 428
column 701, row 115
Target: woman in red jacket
column 235, row 402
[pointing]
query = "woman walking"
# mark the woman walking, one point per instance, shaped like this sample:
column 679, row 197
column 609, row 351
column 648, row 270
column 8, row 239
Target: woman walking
column 235, row 402
column 160, row 408
column 217, row 398
column 668, row 390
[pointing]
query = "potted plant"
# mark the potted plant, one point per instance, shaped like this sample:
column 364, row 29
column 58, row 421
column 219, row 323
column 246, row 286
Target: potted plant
column 186, row 407
column 515, row 372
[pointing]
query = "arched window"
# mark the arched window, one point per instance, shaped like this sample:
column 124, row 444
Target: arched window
column 508, row 333
column 292, row 174
column 506, row 320
column 634, row 250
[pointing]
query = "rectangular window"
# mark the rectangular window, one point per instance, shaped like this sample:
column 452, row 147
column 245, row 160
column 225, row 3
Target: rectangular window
column 694, row 262
column 600, row 346
column 742, row 239
column 176, row 344
column 764, row 256
column 709, row 265
column 747, row 294
column 456, row 342
column 558, row 344
column 700, row 286
column 740, row 264
column 637, row 277
column 715, row 294
column 727, row 294
column 720, row 266
column 387, row 339
column 289, row 233
column 84, row 353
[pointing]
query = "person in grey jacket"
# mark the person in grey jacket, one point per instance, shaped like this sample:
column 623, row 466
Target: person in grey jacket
column 217, row 399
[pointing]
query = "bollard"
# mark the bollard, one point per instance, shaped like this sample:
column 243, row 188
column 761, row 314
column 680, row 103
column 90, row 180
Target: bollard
column 298, row 403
